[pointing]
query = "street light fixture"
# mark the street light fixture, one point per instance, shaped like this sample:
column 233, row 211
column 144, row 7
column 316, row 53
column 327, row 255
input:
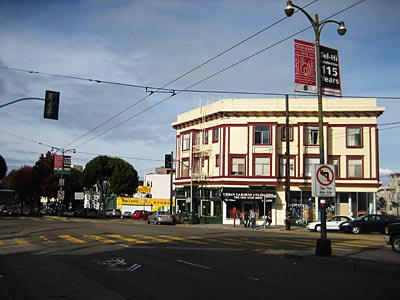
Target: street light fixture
column 323, row 244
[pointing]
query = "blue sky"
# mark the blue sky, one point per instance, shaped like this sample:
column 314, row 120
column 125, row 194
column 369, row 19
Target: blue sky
column 153, row 42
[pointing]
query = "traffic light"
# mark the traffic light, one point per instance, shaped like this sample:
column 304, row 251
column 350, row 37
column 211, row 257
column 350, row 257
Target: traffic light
column 168, row 161
column 51, row 105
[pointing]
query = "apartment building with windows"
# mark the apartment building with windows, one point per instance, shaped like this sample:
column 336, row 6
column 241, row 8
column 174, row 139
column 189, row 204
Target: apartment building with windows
column 231, row 153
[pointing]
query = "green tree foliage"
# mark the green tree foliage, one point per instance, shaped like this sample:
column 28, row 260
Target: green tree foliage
column 21, row 182
column 72, row 185
column 3, row 168
column 123, row 178
column 44, row 180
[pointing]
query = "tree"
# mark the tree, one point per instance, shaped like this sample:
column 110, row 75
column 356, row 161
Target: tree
column 381, row 204
column 122, row 177
column 3, row 168
column 72, row 185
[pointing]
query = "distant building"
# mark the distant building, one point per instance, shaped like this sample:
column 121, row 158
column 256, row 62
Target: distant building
column 231, row 154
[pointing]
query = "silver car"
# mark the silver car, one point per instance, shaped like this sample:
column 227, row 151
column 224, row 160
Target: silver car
column 161, row 217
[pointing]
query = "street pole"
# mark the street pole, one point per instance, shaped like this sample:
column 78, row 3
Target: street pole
column 323, row 247
column 265, row 217
column 171, row 186
column 287, row 174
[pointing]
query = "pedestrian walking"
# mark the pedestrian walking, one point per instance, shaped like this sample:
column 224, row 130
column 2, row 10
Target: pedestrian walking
column 253, row 217
column 268, row 219
column 246, row 218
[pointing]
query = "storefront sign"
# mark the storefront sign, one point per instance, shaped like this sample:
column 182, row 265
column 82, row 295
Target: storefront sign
column 233, row 194
column 330, row 75
column 304, row 67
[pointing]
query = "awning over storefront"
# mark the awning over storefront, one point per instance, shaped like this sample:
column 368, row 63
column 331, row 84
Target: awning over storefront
column 233, row 194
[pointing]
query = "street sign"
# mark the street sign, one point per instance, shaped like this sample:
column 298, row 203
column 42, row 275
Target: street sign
column 60, row 195
column 330, row 75
column 323, row 181
column 61, row 182
column 304, row 67
column 66, row 162
column 79, row 195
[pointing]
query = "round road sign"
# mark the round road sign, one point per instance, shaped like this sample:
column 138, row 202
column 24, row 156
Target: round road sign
column 325, row 175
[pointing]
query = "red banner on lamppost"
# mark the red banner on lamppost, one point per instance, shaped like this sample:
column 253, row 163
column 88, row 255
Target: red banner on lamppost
column 58, row 162
column 304, row 67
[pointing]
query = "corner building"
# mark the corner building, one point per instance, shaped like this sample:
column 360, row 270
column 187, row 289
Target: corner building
column 231, row 154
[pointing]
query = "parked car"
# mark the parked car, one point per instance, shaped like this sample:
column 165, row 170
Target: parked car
column 88, row 213
column 70, row 213
column 8, row 210
column 127, row 214
column 368, row 223
column 392, row 236
column 113, row 213
column 332, row 223
column 141, row 214
column 161, row 217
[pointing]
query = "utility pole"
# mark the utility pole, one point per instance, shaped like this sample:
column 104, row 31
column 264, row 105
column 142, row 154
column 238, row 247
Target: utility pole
column 171, row 183
column 287, row 173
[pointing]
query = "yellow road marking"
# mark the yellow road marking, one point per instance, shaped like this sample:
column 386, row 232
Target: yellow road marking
column 351, row 244
column 247, row 241
column 153, row 238
column 45, row 239
column 99, row 239
column 127, row 239
column 222, row 241
column 186, row 240
column 1, row 243
column 197, row 238
column 20, row 241
column 297, row 242
column 71, row 239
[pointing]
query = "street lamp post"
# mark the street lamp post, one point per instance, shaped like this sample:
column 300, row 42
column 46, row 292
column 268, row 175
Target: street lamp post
column 323, row 244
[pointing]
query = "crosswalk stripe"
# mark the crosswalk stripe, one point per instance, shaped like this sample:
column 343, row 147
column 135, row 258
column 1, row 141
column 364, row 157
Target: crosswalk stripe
column 221, row 241
column 99, row 239
column 1, row 243
column 247, row 241
column 127, row 239
column 71, row 239
column 197, row 239
column 45, row 239
column 21, row 241
column 153, row 238
column 186, row 240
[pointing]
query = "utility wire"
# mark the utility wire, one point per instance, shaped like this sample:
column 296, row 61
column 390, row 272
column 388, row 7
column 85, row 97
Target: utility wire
column 211, row 76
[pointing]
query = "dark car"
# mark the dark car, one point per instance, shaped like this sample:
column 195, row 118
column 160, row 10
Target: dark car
column 392, row 236
column 8, row 210
column 70, row 213
column 88, row 213
column 141, row 214
column 368, row 223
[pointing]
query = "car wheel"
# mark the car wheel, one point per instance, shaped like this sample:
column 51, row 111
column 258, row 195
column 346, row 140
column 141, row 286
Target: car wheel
column 356, row 230
column 318, row 228
column 396, row 243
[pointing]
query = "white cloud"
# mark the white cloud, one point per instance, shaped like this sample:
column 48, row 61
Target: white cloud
column 386, row 172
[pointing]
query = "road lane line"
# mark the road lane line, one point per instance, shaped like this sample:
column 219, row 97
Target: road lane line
column 45, row 239
column 21, row 241
column 192, row 264
column 71, row 239
column 100, row 239
column 127, row 239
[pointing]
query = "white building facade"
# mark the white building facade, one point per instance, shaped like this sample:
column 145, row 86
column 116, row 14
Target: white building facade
column 231, row 156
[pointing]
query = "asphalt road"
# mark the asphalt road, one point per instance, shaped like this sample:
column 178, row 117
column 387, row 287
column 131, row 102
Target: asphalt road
column 48, row 258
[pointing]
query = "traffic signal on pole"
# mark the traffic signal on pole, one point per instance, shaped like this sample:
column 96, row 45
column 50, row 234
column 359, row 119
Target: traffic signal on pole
column 168, row 161
column 51, row 105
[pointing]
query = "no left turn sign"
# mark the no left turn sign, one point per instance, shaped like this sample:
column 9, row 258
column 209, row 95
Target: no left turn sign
column 323, row 181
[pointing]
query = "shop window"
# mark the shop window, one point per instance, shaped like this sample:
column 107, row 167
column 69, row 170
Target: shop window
column 186, row 142
column 262, row 135
column 215, row 136
column 237, row 167
column 354, row 167
column 309, row 162
column 311, row 135
column 354, row 137
column 283, row 167
column 262, row 166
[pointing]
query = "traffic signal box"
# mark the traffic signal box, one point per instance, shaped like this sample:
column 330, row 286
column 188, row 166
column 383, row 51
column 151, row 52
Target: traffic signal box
column 168, row 161
column 51, row 105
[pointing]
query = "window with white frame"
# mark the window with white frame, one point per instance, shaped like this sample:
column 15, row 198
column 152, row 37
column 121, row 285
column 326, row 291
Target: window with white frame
column 335, row 162
column 185, row 168
column 205, row 137
column 283, row 133
column 186, row 141
column 354, row 137
column 237, row 167
column 311, row 135
column 283, row 166
column 262, row 166
column 262, row 135
column 354, row 167
column 196, row 140
column 308, row 165
column 215, row 135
